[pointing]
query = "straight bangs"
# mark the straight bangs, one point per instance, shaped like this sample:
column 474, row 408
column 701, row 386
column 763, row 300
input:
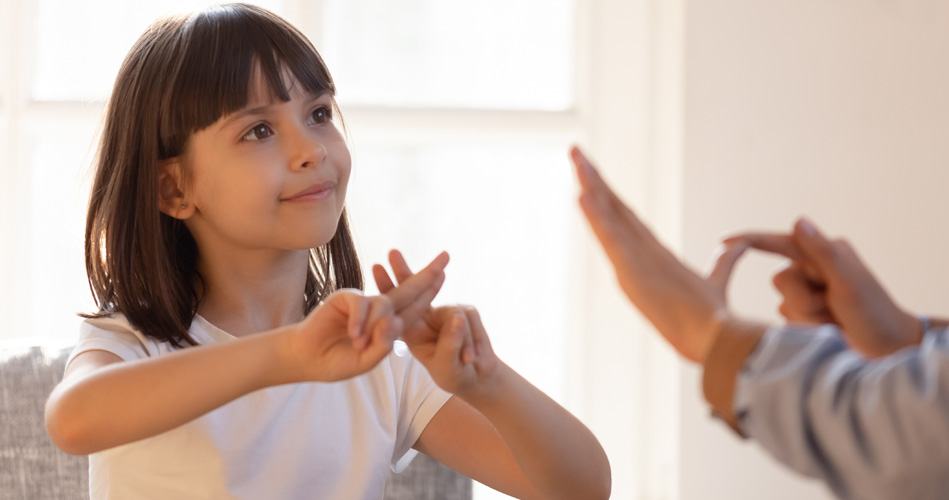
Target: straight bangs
column 182, row 75
column 222, row 49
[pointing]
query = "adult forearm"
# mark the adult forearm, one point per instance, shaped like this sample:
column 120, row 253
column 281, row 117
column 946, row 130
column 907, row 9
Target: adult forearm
column 128, row 401
column 556, row 452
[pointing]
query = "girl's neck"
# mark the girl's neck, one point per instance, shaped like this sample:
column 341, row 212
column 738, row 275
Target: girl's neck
column 254, row 293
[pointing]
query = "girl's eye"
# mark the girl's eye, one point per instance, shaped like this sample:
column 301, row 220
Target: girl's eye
column 258, row 132
column 321, row 115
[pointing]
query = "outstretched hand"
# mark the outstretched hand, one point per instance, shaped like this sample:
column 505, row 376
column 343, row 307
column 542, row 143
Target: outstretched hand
column 687, row 309
column 827, row 282
column 450, row 341
column 349, row 333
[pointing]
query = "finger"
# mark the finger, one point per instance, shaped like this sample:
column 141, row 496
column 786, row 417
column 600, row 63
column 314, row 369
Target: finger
column 803, row 301
column 411, row 313
column 607, row 228
column 383, row 282
column 408, row 291
column 380, row 311
column 358, row 310
column 586, row 173
column 776, row 243
column 592, row 183
column 817, row 248
column 467, row 354
column 480, row 343
column 779, row 244
column 793, row 315
column 400, row 268
column 384, row 333
column 723, row 263
column 452, row 338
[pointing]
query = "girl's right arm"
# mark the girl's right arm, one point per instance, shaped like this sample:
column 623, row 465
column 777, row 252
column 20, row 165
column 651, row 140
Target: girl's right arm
column 103, row 402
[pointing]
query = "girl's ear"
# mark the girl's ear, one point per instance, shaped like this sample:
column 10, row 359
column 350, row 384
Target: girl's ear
column 171, row 199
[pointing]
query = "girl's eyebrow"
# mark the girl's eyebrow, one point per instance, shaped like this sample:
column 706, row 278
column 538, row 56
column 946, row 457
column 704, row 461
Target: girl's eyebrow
column 259, row 110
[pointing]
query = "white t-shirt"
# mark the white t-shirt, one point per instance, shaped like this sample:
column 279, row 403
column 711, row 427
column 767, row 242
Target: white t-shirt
column 300, row 441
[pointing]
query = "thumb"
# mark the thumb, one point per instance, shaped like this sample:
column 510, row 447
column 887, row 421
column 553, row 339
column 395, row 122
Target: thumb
column 818, row 250
column 723, row 263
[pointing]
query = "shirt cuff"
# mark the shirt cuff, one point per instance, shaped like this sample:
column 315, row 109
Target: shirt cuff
column 724, row 362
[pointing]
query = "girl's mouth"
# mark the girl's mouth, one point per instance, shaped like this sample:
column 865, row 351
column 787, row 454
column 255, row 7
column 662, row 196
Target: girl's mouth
column 314, row 192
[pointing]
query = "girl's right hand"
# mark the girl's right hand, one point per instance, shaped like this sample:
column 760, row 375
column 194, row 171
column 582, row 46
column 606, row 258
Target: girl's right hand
column 349, row 333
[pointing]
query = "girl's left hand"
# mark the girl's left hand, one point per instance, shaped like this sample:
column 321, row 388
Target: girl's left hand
column 450, row 341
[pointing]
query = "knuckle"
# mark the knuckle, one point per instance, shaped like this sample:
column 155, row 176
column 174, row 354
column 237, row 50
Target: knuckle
column 783, row 310
column 784, row 279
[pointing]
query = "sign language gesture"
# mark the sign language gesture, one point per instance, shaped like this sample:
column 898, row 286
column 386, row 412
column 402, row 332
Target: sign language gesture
column 686, row 308
column 350, row 333
column 827, row 282
column 450, row 341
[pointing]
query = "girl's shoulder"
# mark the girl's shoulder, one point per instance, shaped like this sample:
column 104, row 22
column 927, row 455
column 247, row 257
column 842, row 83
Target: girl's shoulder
column 113, row 333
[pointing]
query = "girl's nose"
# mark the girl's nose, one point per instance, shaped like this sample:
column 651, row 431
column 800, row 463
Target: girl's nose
column 307, row 150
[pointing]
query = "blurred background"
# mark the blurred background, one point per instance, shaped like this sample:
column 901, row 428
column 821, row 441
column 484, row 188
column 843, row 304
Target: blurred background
column 708, row 116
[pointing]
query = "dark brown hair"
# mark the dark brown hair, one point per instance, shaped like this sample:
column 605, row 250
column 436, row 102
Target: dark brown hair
column 182, row 75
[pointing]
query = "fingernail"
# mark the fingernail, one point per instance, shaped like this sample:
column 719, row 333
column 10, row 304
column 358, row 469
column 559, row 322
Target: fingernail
column 807, row 227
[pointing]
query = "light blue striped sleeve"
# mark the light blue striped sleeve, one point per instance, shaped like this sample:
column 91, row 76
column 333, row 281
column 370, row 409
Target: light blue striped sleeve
column 871, row 429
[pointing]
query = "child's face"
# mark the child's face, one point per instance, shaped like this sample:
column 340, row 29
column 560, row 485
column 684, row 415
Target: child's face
column 270, row 176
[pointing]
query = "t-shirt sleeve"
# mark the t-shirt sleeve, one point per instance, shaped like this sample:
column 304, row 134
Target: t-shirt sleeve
column 419, row 400
column 113, row 335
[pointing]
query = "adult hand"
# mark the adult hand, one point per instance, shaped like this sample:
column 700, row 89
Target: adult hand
column 827, row 282
column 349, row 333
column 687, row 309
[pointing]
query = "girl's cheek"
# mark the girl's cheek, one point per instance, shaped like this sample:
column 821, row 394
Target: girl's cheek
column 344, row 164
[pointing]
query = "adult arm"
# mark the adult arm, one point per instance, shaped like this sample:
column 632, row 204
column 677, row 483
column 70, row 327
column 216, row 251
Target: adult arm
column 873, row 429
column 870, row 429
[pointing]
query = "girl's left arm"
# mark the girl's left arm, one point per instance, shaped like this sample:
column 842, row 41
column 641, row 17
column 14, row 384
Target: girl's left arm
column 515, row 439
column 499, row 429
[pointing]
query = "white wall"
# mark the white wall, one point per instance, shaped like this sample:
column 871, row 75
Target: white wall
column 838, row 110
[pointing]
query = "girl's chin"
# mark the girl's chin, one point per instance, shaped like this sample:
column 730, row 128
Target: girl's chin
column 314, row 243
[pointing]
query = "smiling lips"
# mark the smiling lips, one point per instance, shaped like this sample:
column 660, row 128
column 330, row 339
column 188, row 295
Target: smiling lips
column 315, row 192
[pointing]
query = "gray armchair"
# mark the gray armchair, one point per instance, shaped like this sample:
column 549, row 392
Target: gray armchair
column 31, row 467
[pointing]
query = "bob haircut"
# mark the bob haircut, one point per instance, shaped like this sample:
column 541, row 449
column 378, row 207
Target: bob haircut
column 182, row 75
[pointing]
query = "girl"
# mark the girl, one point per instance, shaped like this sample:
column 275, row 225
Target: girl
column 231, row 356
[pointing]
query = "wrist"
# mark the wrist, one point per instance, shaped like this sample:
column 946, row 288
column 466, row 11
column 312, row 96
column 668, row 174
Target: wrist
column 278, row 350
column 734, row 342
column 722, row 323
column 490, row 386
column 911, row 333
column 925, row 323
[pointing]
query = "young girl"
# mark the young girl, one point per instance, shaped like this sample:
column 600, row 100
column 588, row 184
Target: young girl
column 231, row 356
